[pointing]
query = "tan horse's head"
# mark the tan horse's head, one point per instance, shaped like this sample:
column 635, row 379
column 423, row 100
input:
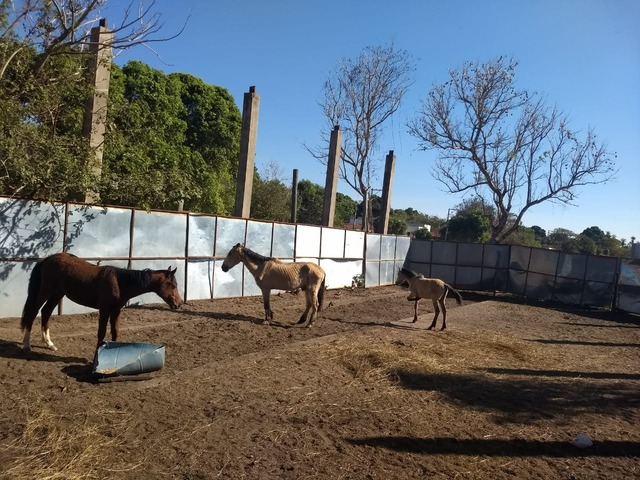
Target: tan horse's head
column 233, row 258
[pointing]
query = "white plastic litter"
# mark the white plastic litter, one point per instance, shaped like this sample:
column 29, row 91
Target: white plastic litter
column 582, row 441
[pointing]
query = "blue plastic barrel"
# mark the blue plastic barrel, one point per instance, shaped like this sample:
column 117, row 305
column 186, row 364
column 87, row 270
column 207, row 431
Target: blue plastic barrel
column 116, row 358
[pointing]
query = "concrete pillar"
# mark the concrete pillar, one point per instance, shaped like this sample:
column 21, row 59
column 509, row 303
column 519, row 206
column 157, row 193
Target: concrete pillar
column 331, row 184
column 95, row 116
column 385, row 207
column 294, row 196
column 246, row 163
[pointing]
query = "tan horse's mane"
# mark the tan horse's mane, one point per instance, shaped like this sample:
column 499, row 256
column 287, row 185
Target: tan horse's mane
column 255, row 255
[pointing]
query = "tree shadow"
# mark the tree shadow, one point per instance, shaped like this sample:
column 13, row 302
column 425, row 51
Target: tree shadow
column 526, row 400
column 38, row 354
column 31, row 229
column 499, row 447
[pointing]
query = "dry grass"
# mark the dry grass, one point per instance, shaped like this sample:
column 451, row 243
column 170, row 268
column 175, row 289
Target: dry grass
column 55, row 446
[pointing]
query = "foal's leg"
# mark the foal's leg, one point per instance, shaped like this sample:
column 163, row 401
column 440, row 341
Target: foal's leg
column 443, row 300
column 268, row 313
column 45, row 314
column 435, row 317
column 415, row 311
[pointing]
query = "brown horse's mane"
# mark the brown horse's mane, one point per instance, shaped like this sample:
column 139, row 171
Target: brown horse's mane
column 255, row 255
column 132, row 278
column 408, row 273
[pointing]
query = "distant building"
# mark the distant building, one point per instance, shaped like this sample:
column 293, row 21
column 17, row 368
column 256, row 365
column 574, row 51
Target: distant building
column 414, row 227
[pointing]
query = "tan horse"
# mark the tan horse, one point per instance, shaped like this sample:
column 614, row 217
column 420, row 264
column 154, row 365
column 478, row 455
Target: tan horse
column 272, row 274
column 106, row 288
column 433, row 288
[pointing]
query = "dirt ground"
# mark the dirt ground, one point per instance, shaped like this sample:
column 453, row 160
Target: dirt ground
column 363, row 394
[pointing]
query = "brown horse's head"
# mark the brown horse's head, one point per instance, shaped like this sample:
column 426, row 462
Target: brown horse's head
column 233, row 257
column 168, row 289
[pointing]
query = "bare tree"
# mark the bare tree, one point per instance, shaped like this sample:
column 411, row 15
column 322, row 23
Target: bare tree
column 360, row 96
column 53, row 27
column 505, row 145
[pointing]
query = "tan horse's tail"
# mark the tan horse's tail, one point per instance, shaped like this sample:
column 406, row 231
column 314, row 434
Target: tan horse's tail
column 321, row 294
column 455, row 293
column 32, row 296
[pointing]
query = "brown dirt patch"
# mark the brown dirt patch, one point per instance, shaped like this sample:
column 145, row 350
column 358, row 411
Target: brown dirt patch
column 362, row 394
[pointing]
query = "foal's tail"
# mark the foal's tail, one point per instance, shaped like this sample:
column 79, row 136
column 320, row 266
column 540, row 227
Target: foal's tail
column 455, row 293
column 32, row 295
column 321, row 294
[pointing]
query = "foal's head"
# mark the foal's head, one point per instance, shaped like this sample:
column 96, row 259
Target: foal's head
column 233, row 257
column 168, row 289
column 404, row 277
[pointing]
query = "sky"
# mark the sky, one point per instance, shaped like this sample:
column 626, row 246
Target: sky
column 582, row 55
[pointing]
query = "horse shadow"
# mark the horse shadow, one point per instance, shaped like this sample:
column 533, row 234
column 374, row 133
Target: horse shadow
column 14, row 350
column 498, row 447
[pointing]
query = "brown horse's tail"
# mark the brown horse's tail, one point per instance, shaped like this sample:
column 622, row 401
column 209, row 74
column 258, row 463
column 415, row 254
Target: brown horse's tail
column 455, row 293
column 321, row 294
column 32, row 295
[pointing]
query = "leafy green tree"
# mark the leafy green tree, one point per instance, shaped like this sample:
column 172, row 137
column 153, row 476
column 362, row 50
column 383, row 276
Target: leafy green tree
column 270, row 200
column 42, row 151
column 146, row 161
column 422, row 234
column 524, row 236
column 397, row 226
column 540, row 234
column 469, row 227
column 557, row 237
column 310, row 202
column 172, row 139
column 345, row 209
column 213, row 137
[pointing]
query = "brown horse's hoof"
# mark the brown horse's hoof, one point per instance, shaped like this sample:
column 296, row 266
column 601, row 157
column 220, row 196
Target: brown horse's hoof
column 431, row 327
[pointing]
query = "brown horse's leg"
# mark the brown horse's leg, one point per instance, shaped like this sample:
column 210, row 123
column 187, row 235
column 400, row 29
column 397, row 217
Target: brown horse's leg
column 29, row 314
column 45, row 314
column 435, row 317
column 113, row 320
column 268, row 313
column 102, row 325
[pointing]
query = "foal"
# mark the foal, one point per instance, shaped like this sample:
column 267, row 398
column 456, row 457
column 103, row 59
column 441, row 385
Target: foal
column 433, row 288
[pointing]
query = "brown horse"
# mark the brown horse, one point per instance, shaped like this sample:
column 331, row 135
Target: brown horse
column 106, row 288
column 271, row 273
column 433, row 288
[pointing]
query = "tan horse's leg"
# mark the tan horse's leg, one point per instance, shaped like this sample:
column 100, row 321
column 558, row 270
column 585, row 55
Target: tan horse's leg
column 309, row 295
column 268, row 313
column 313, row 302
column 437, row 312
